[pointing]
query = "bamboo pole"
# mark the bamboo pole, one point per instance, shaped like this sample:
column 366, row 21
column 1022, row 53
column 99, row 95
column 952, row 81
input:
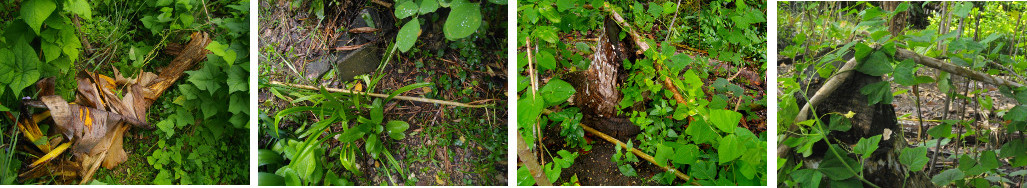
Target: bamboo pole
column 400, row 97
column 637, row 152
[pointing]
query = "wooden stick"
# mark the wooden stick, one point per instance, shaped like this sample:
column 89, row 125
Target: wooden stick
column 400, row 97
column 641, row 154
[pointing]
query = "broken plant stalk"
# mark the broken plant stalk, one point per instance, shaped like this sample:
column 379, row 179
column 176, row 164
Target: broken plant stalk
column 408, row 98
column 531, row 162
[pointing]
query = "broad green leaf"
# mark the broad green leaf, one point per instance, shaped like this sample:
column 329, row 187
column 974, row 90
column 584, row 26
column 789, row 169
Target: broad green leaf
column 556, row 91
column 167, row 126
column 663, row 154
column 879, row 92
column 524, row 177
column 563, row 5
column 428, row 6
column 546, row 60
column 377, row 112
column 840, row 123
column 865, row 147
column 725, row 120
column 529, row 107
column 730, row 149
column 701, row 132
column 464, row 19
column 222, row 51
column 23, row 70
column 266, row 157
column 904, row 73
column 946, row 177
column 498, row 2
column 34, row 12
column 703, row 170
column 397, row 129
column 1018, row 113
column 941, row 131
column 876, row 64
column 208, row 78
column 80, row 7
column 373, row 146
column 546, row 33
column 807, row 178
column 834, row 168
column 686, row 154
column 962, row 9
column 407, row 35
column 237, row 79
column 406, row 9
column 627, row 170
column 914, row 158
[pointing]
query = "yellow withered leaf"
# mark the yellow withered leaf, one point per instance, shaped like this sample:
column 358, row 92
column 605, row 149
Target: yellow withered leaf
column 53, row 153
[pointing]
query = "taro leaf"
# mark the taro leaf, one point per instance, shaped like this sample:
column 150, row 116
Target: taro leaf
column 730, row 149
column 556, row 91
column 876, row 64
column 947, row 176
column 725, row 120
column 428, row 6
column 406, row 9
column 879, row 92
column 904, row 73
column 914, row 158
column 407, row 35
column 80, row 7
column 835, row 169
column 464, row 19
column 865, row 147
column 546, row 60
column 34, row 12
column 20, row 67
column 396, row 129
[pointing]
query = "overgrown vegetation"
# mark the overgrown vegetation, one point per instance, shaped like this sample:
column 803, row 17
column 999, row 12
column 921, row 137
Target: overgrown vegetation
column 978, row 143
column 440, row 117
column 697, row 113
column 202, row 122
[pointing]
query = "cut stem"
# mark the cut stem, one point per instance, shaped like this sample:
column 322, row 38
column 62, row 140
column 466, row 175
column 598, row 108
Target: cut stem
column 408, row 98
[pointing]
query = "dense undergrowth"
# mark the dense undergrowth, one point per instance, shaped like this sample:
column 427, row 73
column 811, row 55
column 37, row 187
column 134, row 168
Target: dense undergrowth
column 980, row 37
column 201, row 122
column 704, row 137
column 326, row 136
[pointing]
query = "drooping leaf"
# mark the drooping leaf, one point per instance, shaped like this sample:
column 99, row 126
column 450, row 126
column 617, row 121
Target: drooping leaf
column 876, row 64
column 1018, row 113
column 464, row 19
column 904, row 73
column 879, row 92
column 941, row 131
column 266, row 157
column 407, row 35
column 80, row 7
column 962, row 9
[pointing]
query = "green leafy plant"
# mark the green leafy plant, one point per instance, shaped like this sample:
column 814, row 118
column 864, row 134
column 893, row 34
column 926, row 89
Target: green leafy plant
column 463, row 20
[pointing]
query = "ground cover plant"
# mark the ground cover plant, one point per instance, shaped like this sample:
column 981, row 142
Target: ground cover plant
column 901, row 94
column 373, row 92
column 160, row 89
column 641, row 93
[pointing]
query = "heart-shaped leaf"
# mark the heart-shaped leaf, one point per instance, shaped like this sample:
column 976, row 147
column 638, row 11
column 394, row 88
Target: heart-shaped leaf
column 464, row 19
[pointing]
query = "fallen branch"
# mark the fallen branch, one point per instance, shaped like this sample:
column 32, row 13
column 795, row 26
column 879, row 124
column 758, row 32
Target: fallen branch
column 641, row 154
column 642, row 45
column 903, row 54
column 408, row 98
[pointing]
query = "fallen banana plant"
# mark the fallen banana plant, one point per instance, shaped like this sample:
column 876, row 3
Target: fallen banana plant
column 95, row 123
